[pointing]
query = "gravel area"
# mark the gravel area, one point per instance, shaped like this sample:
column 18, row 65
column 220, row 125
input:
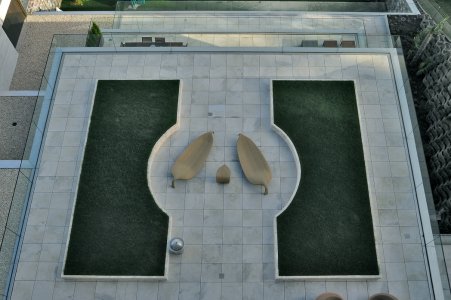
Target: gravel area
column 7, row 182
column 9, row 241
column 35, row 41
column 15, row 119
column 10, row 213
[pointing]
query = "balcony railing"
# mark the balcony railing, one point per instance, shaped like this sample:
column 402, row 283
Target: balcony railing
column 330, row 6
column 152, row 40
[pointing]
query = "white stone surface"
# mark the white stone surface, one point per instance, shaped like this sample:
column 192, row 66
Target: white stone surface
column 227, row 229
column 4, row 5
column 243, row 22
column 238, row 30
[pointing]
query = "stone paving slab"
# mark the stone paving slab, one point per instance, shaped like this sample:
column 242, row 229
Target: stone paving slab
column 242, row 31
column 227, row 229
column 185, row 22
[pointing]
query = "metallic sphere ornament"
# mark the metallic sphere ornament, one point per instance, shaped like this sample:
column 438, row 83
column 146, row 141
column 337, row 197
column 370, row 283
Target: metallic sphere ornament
column 176, row 245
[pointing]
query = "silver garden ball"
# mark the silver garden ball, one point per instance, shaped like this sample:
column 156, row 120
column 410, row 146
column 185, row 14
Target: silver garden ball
column 176, row 245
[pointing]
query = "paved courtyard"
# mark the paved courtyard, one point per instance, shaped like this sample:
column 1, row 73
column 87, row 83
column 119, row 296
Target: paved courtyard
column 227, row 229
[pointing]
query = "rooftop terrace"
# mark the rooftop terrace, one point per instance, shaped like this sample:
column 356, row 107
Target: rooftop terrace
column 228, row 230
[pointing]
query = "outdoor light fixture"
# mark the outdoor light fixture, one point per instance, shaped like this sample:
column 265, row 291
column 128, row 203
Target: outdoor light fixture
column 176, row 245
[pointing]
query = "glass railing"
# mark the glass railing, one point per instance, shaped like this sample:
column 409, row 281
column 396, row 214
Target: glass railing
column 330, row 6
column 23, row 174
column 152, row 40
column 234, row 23
column 17, row 178
column 432, row 239
column 24, row 4
column 17, row 170
column 18, row 164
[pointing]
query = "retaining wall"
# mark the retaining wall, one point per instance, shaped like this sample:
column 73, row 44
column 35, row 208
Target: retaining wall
column 8, row 60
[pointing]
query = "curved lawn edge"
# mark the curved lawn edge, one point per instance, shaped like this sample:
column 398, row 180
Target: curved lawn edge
column 146, row 268
column 281, row 240
column 161, row 141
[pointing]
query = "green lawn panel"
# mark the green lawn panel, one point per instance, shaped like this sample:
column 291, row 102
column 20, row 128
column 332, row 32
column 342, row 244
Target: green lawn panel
column 327, row 229
column 89, row 5
column 117, row 228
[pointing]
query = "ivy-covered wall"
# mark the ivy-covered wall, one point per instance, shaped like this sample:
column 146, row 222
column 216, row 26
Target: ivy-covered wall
column 437, row 117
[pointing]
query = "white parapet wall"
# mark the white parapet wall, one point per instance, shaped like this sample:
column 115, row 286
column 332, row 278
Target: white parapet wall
column 8, row 60
column 4, row 5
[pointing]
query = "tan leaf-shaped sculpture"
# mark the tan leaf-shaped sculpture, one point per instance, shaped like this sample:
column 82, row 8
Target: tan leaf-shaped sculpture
column 253, row 163
column 192, row 160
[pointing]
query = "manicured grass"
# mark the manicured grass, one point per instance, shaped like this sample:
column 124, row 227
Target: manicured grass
column 327, row 229
column 117, row 227
column 89, row 5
